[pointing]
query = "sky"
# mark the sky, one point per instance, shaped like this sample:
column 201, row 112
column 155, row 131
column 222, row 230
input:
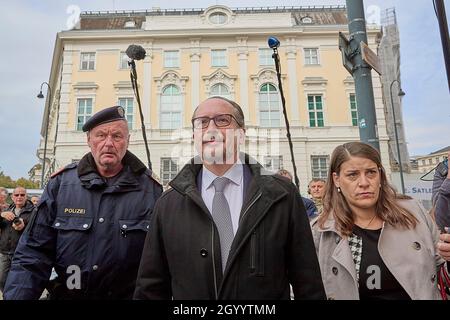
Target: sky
column 28, row 31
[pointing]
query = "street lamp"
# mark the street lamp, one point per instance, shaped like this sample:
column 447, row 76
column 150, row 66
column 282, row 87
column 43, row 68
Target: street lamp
column 401, row 93
column 49, row 96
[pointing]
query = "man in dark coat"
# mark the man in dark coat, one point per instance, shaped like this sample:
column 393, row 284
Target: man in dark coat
column 90, row 223
column 226, row 229
column 12, row 222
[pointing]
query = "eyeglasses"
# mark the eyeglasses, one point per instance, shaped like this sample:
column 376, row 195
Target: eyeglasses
column 221, row 120
column 19, row 195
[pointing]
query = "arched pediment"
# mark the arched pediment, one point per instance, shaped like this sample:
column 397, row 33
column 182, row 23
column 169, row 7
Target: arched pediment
column 219, row 76
column 171, row 77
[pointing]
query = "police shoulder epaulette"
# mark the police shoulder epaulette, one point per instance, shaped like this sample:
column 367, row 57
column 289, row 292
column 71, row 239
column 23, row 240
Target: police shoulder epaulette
column 59, row 171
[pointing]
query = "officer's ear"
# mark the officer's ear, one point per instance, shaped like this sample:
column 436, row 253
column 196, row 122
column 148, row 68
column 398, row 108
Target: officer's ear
column 88, row 136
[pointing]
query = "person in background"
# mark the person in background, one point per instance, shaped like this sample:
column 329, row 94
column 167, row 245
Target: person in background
column 441, row 206
column 311, row 209
column 316, row 189
column 3, row 196
column 371, row 243
column 12, row 223
column 35, row 200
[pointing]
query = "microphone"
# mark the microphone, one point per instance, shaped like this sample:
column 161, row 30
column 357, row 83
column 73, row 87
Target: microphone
column 273, row 42
column 135, row 52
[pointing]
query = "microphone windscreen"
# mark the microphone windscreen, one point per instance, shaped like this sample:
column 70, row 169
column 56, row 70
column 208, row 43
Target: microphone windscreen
column 273, row 42
column 135, row 52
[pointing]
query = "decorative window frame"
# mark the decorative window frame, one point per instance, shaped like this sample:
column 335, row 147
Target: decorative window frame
column 84, row 90
column 349, row 84
column 168, row 78
column 231, row 16
column 316, row 86
column 265, row 75
column 219, row 76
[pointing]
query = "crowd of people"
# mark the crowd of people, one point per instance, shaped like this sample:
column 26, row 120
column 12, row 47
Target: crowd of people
column 225, row 229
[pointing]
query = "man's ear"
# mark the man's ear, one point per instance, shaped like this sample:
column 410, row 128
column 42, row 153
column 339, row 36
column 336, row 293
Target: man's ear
column 241, row 135
column 88, row 136
column 336, row 180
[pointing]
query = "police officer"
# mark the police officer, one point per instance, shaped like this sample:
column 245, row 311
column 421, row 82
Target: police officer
column 91, row 221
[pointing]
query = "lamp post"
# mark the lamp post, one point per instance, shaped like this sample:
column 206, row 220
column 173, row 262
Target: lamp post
column 401, row 93
column 49, row 97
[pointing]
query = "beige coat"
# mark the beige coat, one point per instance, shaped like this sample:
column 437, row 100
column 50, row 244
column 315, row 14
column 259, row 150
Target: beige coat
column 410, row 255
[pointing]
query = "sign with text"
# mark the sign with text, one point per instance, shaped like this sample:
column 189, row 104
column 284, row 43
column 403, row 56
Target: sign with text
column 370, row 57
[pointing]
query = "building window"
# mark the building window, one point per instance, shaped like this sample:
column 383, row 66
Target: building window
column 423, row 162
column 437, row 160
column 84, row 112
column 315, row 108
column 265, row 57
column 307, row 20
column 218, row 58
column 353, row 109
column 269, row 106
column 170, row 117
column 311, row 56
column 171, row 59
column 220, row 90
column 218, row 18
column 123, row 60
column 169, row 169
column 87, row 61
column 128, row 105
column 319, row 166
column 273, row 163
column 430, row 161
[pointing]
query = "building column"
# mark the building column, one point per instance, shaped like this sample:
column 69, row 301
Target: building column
column 291, row 54
column 66, row 88
column 147, row 102
column 195, row 71
column 243, row 76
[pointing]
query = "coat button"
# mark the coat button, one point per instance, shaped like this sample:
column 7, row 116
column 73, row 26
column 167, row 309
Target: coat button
column 85, row 226
column 204, row 253
column 148, row 227
column 338, row 239
column 57, row 224
column 101, row 220
column 94, row 267
column 335, row 271
column 433, row 278
column 416, row 245
column 124, row 226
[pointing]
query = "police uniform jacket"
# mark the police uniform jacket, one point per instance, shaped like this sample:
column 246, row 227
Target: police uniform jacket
column 84, row 224
column 9, row 237
column 272, row 248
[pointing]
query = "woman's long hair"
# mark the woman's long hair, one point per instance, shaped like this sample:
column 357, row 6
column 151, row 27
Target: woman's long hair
column 336, row 206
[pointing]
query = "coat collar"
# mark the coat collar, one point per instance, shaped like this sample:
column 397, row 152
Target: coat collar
column 91, row 179
column 29, row 206
column 262, row 190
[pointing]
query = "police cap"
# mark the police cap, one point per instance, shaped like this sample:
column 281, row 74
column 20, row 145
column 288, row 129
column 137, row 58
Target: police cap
column 106, row 115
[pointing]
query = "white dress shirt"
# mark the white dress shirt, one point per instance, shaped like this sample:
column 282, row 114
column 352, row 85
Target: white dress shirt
column 234, row 191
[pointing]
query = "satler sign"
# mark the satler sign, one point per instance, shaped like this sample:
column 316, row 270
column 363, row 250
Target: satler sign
column 414, row 187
